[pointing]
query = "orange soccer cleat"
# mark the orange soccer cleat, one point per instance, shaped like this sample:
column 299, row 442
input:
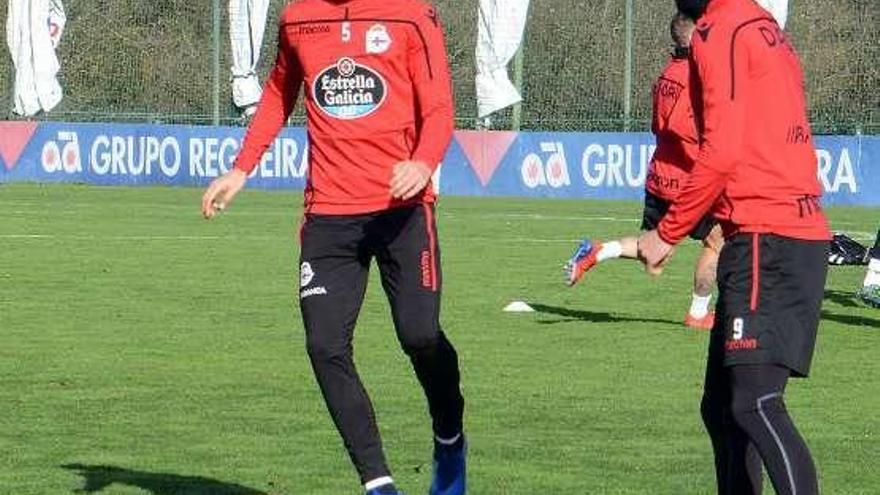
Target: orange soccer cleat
column 581, row 261
column 704, row 323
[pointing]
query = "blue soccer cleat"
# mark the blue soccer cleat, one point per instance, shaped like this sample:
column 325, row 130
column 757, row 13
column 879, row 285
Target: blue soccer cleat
column 583, row 259
column 450, row 472
column 870, row 295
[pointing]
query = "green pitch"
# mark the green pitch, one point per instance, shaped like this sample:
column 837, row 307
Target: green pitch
column 146, row 351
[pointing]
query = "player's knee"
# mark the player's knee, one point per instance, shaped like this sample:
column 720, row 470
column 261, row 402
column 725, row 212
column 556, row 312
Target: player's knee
column 750, row 412
column 323, row 350
column 744, row 412
column 418, row 335
column 417, row 341
column 417, row 328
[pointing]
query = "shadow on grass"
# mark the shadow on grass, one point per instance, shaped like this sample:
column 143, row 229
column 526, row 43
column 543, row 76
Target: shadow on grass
column 845, row 299
column 97, row 478
column 569, row 315
column 852, row 320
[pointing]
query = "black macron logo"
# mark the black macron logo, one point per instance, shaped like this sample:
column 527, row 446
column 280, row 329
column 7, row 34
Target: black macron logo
column 312, row 29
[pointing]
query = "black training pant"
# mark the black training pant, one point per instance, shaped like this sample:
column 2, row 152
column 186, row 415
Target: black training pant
column 767, row 316
column 745, row 415
column 335, row 260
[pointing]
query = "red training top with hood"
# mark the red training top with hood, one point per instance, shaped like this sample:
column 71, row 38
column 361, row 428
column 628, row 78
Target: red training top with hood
column 377, row 91
column 675, row 129
column 756, row 152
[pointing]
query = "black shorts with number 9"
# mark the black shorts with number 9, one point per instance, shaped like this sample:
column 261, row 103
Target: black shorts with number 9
column 770, row 291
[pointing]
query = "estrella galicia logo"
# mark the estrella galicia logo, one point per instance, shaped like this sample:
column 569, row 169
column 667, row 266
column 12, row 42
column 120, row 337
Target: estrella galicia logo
column 348, row 90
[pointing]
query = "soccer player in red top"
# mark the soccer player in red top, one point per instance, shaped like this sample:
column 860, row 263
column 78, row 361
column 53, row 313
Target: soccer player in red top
column 379, row 118
column 757, row 171
column 677, row 146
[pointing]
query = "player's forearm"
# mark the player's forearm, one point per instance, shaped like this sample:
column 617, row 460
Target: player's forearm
column 699, row 195
column 429, row 65
column 272, row 113
column 276, row 105
column 717, row 158
column 435, row 134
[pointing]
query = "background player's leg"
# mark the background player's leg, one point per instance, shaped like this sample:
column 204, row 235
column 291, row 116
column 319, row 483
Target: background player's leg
column 409, row 261
column 758, row 408
column 704, row 278
column 870, row 291
column 699, row 315
column 873, row 275
column 592, row 252
column 628, row 248
column 333, row 277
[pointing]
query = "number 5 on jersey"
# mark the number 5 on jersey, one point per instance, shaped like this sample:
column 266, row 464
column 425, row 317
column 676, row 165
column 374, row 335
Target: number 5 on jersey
column 346, row 32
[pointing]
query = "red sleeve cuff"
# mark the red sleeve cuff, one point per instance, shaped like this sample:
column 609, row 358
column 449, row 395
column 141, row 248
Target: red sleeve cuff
column 432, row 162
column 244, row 168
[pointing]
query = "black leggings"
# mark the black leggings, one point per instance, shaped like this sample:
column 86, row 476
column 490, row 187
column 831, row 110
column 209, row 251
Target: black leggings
column 744, row 413
column 336, row 256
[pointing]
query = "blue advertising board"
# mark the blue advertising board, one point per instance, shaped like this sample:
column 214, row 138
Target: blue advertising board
column 478, row 163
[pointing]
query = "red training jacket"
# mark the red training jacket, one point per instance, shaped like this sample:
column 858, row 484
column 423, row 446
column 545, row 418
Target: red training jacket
column 676, row 132
column 756, row 152
column 377, row 91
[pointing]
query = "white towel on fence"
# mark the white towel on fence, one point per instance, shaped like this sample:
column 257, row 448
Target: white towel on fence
column 778, row 8
column 501, row 25
column 247, row 23
column 33, row 31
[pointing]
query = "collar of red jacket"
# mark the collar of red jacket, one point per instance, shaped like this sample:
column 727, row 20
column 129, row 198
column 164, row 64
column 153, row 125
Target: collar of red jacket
column 716, row 5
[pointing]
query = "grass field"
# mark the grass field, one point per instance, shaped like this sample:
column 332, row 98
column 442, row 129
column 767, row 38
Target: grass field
column 146, row 351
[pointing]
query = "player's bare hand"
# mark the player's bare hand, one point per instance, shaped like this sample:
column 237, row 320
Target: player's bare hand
column 654, row 252
column 409, row 178
column 221, row 192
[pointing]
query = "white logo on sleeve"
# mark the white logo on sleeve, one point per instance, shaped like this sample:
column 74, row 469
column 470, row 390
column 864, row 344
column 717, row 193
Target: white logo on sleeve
column 306, row 274
column 378, row 39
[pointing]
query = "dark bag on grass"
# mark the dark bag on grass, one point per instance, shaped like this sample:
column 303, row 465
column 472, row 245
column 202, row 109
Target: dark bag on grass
column 846, row 251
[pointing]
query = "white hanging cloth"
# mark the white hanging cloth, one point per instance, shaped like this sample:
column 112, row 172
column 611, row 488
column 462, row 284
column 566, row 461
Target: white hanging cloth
column 33, row 32
column 778, row 8
column 501, row 25
column 247, row 24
